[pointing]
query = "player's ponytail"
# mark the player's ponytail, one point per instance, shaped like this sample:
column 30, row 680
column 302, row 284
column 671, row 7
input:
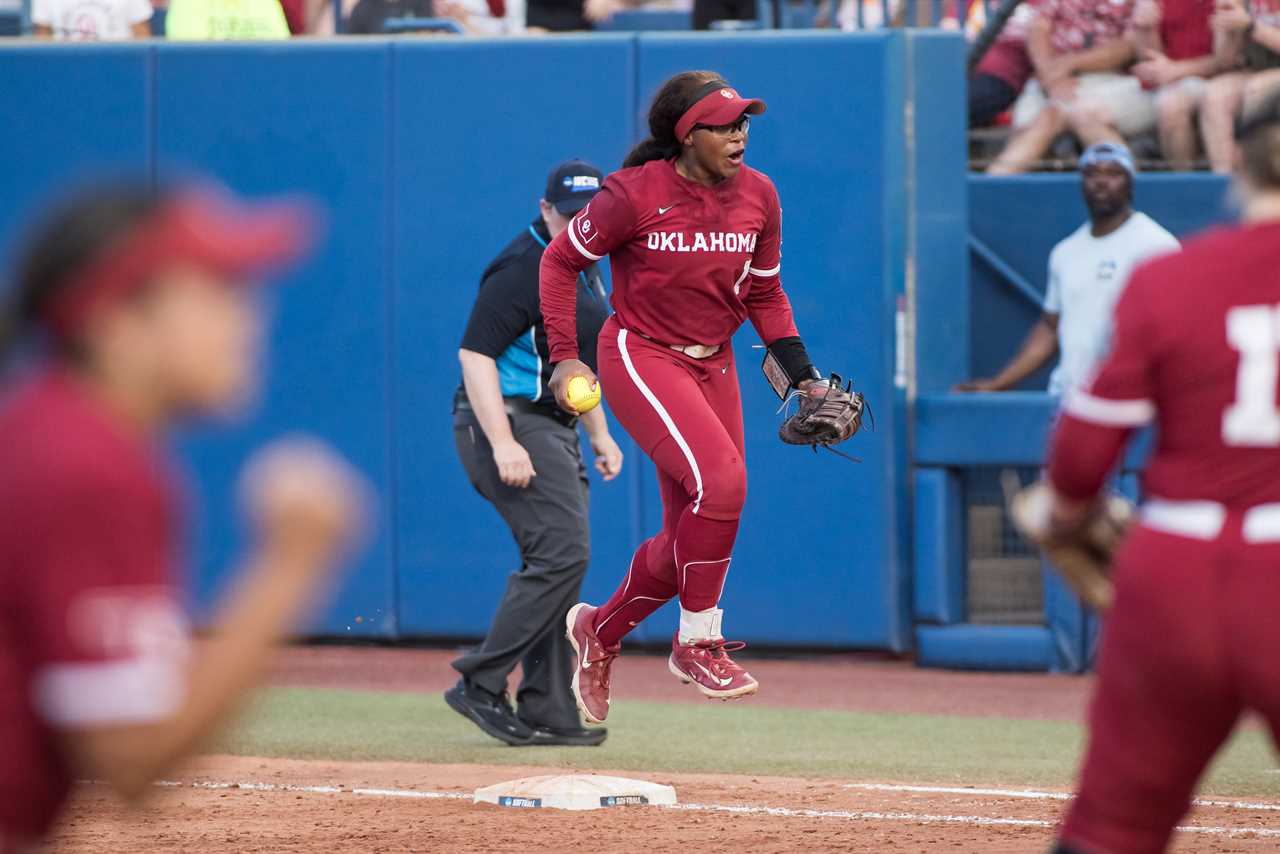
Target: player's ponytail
column 672, row 101
column 71, row 236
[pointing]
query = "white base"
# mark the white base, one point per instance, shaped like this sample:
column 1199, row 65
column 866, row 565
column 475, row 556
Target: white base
column 575, row 792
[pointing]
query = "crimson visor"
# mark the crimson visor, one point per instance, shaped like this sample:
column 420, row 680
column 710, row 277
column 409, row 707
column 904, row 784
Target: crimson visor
column 721, row 106
column 205, row 228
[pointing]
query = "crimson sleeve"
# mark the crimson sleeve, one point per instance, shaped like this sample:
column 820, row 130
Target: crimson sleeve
column 607, row 222
column 1097, row 420
column 766, row 301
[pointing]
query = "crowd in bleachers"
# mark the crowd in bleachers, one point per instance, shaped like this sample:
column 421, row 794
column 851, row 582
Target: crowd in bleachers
column 1168, row 76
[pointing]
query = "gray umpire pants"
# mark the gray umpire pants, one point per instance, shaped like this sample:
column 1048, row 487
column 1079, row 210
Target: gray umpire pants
column 549, row 522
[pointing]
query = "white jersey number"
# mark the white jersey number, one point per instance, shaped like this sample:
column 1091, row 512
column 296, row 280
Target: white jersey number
column 1254, row 419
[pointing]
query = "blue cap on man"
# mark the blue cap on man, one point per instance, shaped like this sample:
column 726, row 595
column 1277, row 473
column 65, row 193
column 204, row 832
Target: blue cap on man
column 1109, row 152
column 571, row 185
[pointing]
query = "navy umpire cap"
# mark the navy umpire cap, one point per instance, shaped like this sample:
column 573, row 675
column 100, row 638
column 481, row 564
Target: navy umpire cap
column 571, row 185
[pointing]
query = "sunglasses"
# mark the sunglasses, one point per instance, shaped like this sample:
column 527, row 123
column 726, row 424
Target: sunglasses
column 739, row 126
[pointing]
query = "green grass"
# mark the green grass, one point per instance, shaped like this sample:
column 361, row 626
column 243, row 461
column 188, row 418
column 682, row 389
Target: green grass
column 740, row 738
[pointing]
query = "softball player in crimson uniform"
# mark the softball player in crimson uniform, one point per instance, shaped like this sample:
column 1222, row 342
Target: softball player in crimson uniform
column 139, row 302
column 693, row 237
column 1192, row 640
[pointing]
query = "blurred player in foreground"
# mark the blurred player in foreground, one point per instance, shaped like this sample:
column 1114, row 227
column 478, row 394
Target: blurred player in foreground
column 694, row 238
column 1191, row 641
column 142, row 309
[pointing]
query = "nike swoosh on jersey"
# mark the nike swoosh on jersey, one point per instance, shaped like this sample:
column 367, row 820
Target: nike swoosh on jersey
column 662, row 211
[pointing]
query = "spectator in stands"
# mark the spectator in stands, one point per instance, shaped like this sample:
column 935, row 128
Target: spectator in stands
column 1079, row 50
column 1247, row 38
column 1175, row 43
column 707, row 11
column 369, row 16
column 474, row 17
column 91, row 20
column 225, row 20
column 1003, row 71
column 558, row 16
column 1087, row 271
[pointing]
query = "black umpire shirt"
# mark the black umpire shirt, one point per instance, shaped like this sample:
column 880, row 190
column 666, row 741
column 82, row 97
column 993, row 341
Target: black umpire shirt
column 506, row 320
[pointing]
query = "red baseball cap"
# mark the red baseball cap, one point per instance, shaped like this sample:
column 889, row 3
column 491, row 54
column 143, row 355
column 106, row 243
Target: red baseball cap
column 717, row 103
column 207, row 227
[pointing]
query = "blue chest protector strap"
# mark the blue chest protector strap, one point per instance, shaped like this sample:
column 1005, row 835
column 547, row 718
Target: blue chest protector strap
column 582, row 277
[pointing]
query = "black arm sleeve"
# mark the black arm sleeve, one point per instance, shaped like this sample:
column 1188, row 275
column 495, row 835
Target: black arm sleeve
column 794, row 359
column 504, row 310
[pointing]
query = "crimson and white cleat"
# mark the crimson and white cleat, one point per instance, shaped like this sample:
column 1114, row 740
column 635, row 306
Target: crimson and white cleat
column 592, row 664
column 706, row 663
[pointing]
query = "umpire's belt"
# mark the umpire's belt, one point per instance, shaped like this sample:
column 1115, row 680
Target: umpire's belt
column 463, row 412
column 693, row 351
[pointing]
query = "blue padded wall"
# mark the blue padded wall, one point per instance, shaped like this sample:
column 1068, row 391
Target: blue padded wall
column 430, row 156
column 939, row 547
column 68, row 115
column 222, row 109
column 939, row 219
column 834, row 154
column 967, row 647
column 471, row 163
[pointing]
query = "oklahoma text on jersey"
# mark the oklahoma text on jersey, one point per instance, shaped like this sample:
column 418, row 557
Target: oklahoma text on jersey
column 715, row 241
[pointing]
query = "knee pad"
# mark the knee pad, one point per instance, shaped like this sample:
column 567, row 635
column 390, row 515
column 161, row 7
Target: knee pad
column 724, row 492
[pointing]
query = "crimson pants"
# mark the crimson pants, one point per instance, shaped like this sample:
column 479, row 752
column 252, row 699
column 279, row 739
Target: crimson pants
column 1191, row 643
column 686, row 414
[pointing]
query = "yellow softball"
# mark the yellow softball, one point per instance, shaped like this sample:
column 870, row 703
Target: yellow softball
column 583, row 396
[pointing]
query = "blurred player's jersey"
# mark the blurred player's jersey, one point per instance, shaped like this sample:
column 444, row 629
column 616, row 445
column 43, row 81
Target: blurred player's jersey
column 1196, row 349
column 1086, row 275
column 690, row 263
column 91, row 633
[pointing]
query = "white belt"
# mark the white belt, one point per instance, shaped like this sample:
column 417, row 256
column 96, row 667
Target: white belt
column 696, row 351
column 693, row 351
column 1203, row 520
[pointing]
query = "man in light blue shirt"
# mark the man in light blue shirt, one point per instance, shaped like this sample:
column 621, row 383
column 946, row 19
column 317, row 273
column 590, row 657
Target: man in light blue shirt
column 1087, row 271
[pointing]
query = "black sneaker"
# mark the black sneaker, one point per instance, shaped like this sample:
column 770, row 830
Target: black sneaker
column 550, row 736
column 491, row 712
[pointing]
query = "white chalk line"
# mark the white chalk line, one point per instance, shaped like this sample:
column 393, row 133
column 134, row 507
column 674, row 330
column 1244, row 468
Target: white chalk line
column 750, row 809
column 320, row 790
column 1032, row 794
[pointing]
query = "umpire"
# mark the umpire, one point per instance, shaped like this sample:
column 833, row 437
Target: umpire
column 522, row 454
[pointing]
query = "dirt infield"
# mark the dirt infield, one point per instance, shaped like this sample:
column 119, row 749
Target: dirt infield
column 390, row 807
column 225, row 804
column 862, row 683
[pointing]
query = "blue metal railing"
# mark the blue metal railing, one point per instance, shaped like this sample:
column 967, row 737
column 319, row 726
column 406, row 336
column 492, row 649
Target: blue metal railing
column 1007, row 274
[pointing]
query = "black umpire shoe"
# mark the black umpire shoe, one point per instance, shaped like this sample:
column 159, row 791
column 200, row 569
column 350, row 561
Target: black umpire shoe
column 565, row 736
column 491, row 712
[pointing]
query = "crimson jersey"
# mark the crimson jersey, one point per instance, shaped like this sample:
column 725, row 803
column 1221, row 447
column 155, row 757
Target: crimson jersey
column 690, row 263
column 91, row 633
column 1196, row 349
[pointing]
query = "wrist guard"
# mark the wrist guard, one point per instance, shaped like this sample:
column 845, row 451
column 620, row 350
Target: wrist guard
column 786, row 363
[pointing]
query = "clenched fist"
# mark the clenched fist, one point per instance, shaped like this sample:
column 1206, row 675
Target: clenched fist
column 305, row 502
